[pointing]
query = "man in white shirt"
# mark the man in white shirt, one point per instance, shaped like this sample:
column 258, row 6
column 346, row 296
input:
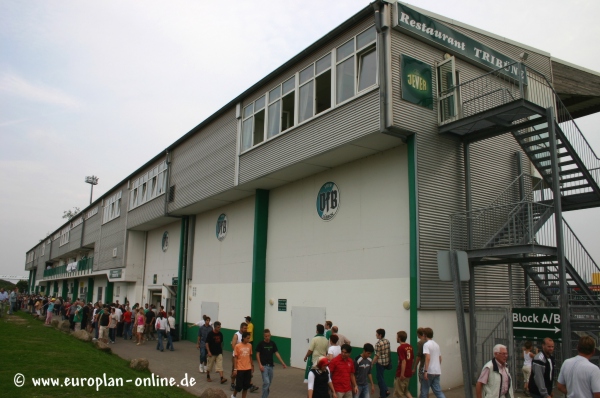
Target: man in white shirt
column 433, row 366
column 578, row 376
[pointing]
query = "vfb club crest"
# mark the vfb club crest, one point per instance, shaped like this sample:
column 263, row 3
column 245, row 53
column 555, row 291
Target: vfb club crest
column 328, row 201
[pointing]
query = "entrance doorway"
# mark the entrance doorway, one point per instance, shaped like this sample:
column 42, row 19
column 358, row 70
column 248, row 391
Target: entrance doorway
column 304, row 324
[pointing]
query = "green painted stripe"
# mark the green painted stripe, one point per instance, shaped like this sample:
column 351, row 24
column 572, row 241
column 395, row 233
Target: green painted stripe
column 259, row 261
column 414, row 247
column 180, row 281
column 108, row 297
column 90, row 292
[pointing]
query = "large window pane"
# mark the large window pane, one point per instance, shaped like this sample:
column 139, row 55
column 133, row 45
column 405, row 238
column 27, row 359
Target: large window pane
column 323, row 92
column 248, row 110
column 259, row 127
column 367, row 70
column 344, row 50
column 274, row 119
column 324, row 63
column 247, row 134
column 259, row 103
column 287, row 111
column 289, row 85
column 365, row 38
column 307, row 74
column 345, row 80
column 306, row 102
column 275, row 93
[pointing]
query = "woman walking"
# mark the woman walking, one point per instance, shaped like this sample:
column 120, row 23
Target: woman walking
column 140, row 320
column 528, row 356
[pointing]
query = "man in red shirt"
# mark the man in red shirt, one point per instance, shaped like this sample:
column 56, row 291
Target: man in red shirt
column 405, row 366
column 342, row 374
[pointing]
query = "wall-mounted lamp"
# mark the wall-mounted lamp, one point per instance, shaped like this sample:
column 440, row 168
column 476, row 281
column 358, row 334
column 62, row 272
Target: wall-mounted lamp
column 524, row 55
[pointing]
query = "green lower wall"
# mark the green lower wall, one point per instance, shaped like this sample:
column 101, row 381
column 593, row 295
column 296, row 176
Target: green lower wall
column 284, row 344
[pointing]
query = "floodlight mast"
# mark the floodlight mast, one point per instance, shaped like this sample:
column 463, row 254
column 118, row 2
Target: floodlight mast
column 92, row 180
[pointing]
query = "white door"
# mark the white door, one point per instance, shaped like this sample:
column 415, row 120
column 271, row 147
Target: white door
column 210, row 309
column 304, row 326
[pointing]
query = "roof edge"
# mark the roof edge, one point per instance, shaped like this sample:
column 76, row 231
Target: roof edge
column 475, row 29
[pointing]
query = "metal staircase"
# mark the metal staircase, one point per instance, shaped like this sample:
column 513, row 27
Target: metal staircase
column 519, row 226
column 521, row 110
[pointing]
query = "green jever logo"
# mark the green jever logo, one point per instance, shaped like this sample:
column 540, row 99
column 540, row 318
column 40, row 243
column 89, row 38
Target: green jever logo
column 416, row 82
column 328, row 201
column 221, row 230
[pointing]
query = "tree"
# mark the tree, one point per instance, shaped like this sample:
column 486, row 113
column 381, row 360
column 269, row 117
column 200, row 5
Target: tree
column 68, row 214
column 22, row 285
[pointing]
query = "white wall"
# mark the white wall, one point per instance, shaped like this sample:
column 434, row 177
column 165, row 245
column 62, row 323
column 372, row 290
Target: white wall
column 357, row 264
column 223, row 269
column 163, row 264
column 445, row 333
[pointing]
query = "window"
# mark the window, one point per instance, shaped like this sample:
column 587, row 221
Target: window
column 148, row 186
column 99, row 298
column 43, row 249
column 112, row 207
column 91, row 213
column 315, row 88
column 281, row 107
column 334, row 78
column 64, row 235
column 30, row 257
column 356, row 65
column 253, row 124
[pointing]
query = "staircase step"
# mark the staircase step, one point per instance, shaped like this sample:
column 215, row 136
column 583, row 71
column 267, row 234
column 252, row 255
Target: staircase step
column 529, row 134
column 547, row 158
column 573, row 179
column 560, row 164
column 574, row 187
column 535, row 152
column 536, row 142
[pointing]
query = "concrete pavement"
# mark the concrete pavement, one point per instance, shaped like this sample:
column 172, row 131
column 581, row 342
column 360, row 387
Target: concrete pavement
column 287, row 383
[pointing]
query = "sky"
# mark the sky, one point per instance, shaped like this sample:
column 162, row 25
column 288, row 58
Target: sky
column 99, row 88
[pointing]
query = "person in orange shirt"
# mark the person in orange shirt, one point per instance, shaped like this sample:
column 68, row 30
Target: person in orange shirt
column 243, row 366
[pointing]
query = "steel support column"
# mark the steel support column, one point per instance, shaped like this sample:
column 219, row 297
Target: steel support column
column 469, row 207
column 519, row 159
column 560, row 252
column 462, row 328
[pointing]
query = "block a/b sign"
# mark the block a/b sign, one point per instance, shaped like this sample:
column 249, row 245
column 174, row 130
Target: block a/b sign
column 536, row 323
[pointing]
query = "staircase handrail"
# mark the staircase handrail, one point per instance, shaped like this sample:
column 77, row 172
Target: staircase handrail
column 564, row 109
column 571, row 237
column 508, row 213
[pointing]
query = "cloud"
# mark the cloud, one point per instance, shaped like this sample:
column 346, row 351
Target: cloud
column 14, row 85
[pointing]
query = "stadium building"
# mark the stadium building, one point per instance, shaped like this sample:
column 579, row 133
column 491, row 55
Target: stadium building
column 334, row 186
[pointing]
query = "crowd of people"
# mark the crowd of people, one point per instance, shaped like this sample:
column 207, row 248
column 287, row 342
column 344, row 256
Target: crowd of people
column 578, row 377
column 106, row 322
column 330, row 371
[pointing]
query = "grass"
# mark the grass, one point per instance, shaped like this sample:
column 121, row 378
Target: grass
column 36, row 351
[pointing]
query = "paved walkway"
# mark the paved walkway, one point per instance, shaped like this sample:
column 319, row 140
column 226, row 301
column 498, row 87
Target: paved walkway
column 288, row 383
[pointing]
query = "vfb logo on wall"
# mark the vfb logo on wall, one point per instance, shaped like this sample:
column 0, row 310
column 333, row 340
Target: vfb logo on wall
column 221, row 227
column 328, row 201
column 165, row 241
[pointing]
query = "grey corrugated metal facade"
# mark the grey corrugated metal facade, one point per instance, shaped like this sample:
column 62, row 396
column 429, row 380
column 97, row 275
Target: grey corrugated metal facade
column 440, row 167
column 207, row 157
